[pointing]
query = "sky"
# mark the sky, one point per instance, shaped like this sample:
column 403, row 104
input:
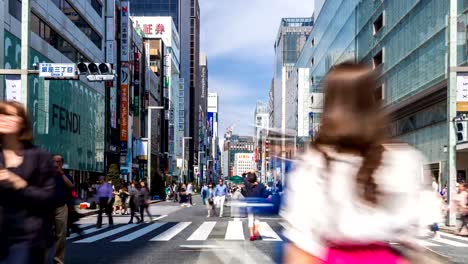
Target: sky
column 238, row 38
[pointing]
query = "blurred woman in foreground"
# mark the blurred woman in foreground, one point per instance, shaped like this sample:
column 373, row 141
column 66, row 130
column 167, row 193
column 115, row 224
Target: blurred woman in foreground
column 354, row 191
column 26, row 190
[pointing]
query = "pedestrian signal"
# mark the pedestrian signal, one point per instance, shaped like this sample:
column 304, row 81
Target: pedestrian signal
column 462, row 131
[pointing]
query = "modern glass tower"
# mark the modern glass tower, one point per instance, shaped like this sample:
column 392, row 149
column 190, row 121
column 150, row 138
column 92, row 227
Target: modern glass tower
column 157, row 8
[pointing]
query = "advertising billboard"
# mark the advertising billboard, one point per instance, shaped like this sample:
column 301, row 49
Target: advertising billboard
column 124, row 30
column 213, row 102
column 159, row 27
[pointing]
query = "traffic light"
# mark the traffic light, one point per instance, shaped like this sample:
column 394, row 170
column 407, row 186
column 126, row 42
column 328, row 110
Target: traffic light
column 462, row 131
column 96, row 72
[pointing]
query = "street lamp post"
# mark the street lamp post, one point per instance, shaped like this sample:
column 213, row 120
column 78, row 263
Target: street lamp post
column 200, row 168
column 183, row 157
column 149, row 141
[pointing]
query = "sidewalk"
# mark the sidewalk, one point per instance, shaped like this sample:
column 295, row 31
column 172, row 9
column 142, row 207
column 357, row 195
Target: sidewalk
column 88, row 212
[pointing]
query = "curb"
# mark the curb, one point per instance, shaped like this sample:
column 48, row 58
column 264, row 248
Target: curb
column 95, row 211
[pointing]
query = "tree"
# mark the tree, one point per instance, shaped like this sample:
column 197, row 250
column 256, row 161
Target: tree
column 113, row 174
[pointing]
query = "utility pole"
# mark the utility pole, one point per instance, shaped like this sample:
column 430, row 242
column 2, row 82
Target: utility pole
column 25, row 33
column 451, row 108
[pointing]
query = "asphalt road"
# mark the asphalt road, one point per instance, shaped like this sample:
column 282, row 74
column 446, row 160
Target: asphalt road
column 185, row 235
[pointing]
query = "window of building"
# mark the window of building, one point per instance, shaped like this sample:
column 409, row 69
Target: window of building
column 312, row 43
column 48, row 34
column 378, row 23
column 97, row 6
column 79, row 21
column 14, row 8
column 378, row 59
column 312, row 62
column 379, row 93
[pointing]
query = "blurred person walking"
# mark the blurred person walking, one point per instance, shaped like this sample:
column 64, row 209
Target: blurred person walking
column 252, row 192
column 354, row 190
column 63, row 193
column 183, row 195
column 27, row 190
column 104, row 196
column 209, row 198
column 190, row 192
column 117, row 202
column 124, row 196
column 144, row 199
column 133, row 202
column 463, row 206
column 220, row 194
column 204, row 192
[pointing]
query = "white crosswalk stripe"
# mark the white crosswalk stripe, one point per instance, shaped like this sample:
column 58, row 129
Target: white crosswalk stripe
column 172, row 232
column 87, row 232
column 450, row 242
column 106, row 234
column 454, row 236
column 203, row 231
column 139, row 233
column 267, row 233
column 234, row 231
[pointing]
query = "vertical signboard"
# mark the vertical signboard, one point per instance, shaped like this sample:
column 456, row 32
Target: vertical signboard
column 124, row 106
column 124, row 31
column 462, row 92
column 136, row 86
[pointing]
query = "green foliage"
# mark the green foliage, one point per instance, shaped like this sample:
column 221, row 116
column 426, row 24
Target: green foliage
column 113, row 174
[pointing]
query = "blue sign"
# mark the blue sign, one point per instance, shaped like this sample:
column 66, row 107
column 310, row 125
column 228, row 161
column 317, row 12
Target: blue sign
column 211, row 122
column 57, row 70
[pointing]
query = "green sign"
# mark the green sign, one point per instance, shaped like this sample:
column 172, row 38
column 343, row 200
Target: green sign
column 136, row 108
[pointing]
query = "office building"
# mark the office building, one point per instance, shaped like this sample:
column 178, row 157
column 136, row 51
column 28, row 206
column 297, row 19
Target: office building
column 65, row 31
column 243, row 162
column 406, row 43
column 291, row 37
column 157, row 8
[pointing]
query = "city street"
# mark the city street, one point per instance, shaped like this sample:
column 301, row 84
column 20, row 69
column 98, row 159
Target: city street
column 186, row 235
column 181, row 235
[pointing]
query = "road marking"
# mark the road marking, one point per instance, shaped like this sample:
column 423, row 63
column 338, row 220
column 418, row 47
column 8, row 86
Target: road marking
column 199, row 246
column 85, row 225
column 86, row 232
column 167, row 235
column 106, row 234
column 454, row 236
column 425, row 243
column 267, row 233
column 139, row 233
column 234, row 231
column 203, row 231
column 450, row 242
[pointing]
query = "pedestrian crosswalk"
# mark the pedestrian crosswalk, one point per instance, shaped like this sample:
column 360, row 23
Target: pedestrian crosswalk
column 166, row 231
column 445, row 240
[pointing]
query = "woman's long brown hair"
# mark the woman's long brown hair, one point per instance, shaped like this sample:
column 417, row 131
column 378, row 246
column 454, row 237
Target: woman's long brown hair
column 352, row 122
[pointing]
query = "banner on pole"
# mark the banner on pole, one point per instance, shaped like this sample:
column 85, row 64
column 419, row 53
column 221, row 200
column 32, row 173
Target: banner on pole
column 13, row 88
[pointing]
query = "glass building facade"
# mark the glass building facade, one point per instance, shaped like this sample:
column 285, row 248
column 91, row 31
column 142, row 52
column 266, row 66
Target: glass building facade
column 406, row 43
column 156, row 8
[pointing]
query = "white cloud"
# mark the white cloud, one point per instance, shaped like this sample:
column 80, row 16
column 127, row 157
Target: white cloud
column 246, row 28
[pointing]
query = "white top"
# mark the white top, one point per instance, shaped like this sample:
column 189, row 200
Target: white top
column 323, row 205
column 189, row 188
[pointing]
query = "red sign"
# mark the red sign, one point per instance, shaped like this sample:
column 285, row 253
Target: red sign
column 160, row 29
column 147, row 28
column 123, row 112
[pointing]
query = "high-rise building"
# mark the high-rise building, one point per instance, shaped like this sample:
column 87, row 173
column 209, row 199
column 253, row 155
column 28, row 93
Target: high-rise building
column 243, row 162
column 292, row 35
column 238, row 144
column 262, row 124
column 68, row 115
column 195, row 91
column 406, row 42
column 203, row 115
